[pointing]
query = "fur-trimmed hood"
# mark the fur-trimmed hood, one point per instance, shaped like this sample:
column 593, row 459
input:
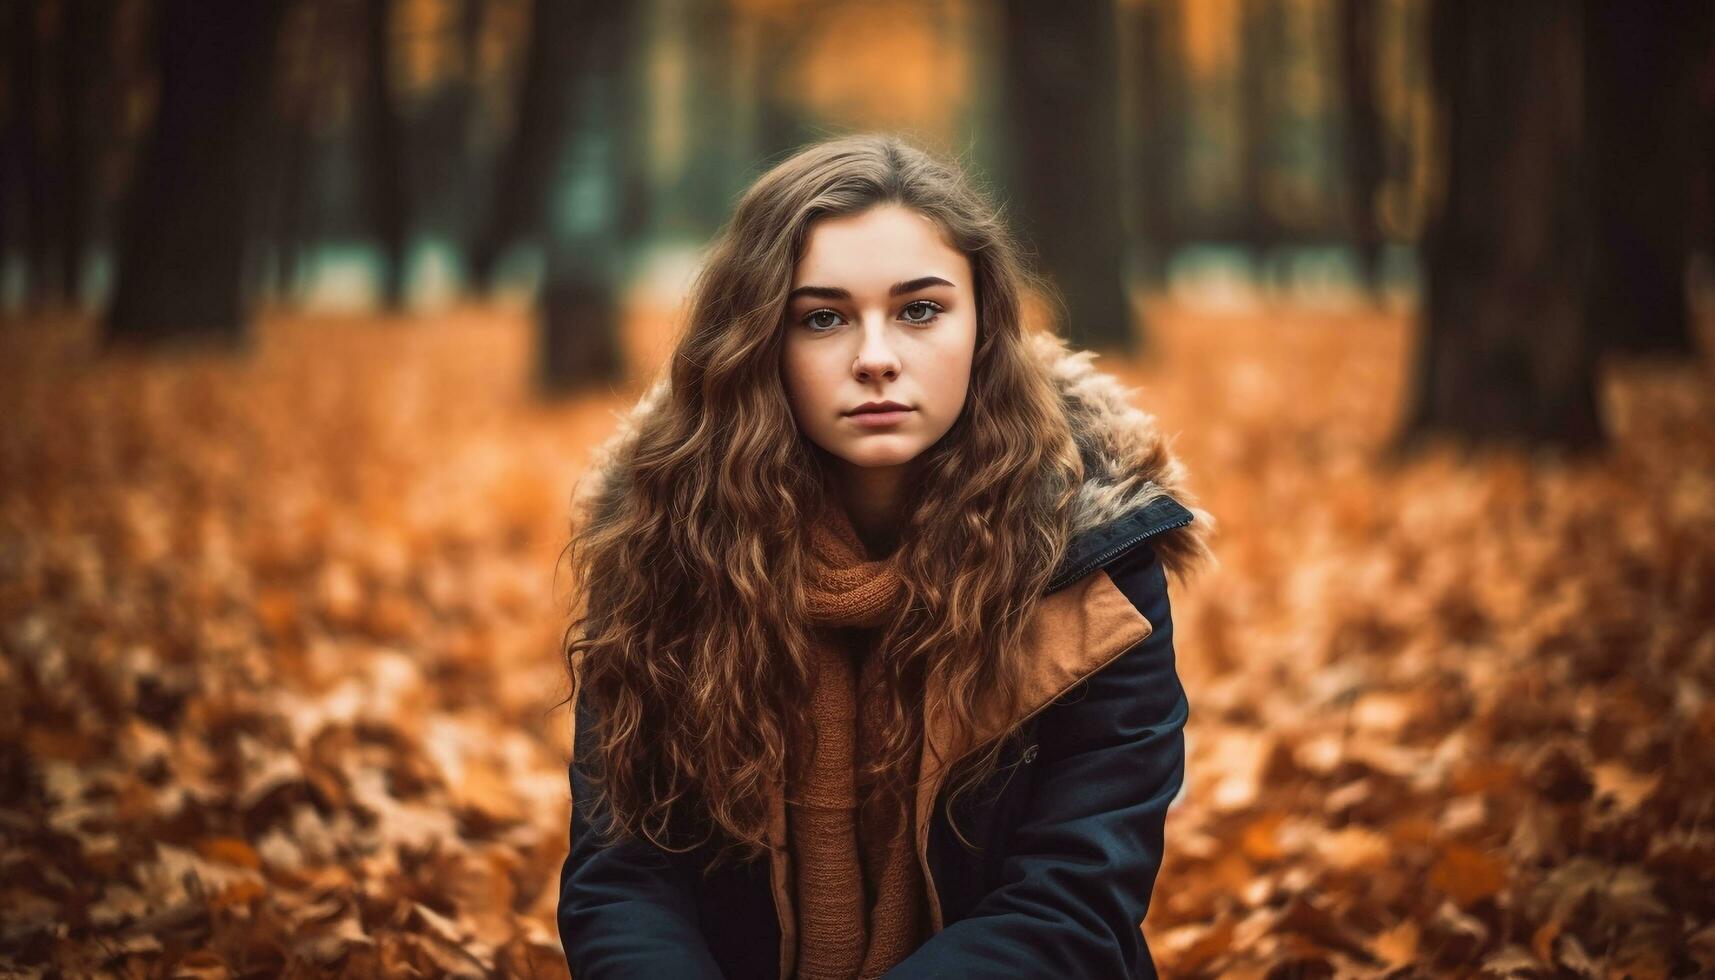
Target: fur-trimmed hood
column 1128, row 463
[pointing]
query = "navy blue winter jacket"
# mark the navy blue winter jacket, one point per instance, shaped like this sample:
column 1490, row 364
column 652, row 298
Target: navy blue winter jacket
column 1069, row 830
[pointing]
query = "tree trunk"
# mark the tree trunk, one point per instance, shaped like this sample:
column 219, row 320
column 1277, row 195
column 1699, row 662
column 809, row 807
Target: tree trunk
column 1062, row 82
column 1641, row 63
column 1259, row 53
column 700, row 171
column 1363, row 133
column 288, row 170
column 181, row 259
column 778, row 126
column 1701, row 207
column 14, row 138
column 525, row 176
column 468, row 166
column 1506, row 350
column 384, row 169
column 1157, row 138
column 26, row 153
column 599, row 200
column 579, row 324
column 86, row 35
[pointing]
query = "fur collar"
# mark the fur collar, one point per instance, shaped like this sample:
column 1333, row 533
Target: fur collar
column 1128, row 462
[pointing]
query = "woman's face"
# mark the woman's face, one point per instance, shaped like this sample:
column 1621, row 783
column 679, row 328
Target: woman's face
column 882, row 309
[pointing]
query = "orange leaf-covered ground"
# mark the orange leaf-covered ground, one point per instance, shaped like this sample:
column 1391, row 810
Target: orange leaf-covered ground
column 280, row 679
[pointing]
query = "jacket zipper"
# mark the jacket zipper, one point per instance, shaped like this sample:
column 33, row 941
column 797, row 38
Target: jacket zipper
column 1104, row 557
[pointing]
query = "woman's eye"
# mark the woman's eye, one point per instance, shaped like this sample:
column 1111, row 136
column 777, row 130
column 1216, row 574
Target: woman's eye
column 931, row 311
column 925, row 312
column 813, row 324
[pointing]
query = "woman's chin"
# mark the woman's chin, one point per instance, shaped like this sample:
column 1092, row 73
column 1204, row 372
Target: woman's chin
column 896, row 452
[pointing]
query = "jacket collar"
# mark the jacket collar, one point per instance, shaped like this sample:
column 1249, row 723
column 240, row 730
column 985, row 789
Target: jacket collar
column 1097, row 547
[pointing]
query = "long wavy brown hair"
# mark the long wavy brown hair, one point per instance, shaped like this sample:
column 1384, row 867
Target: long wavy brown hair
column 689, row 638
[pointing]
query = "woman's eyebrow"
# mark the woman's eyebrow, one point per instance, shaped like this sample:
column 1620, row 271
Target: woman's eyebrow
column 835, row 292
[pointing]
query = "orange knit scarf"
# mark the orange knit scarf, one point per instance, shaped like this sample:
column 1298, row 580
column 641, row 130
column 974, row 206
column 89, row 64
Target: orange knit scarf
column 861, row 902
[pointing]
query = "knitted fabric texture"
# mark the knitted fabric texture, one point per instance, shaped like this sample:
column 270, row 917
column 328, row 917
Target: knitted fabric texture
column 862, row 905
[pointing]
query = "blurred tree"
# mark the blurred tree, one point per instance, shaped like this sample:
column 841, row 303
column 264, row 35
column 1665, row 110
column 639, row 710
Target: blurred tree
column 1261, row 32
column 779, row 36
column 181, row 258
column 1062, row 85
column 1641, row 62
column 701, row 145
column 1154, row 88
column 282, row 219
column 597, row 204
column 525, row 172
column 1506, row 350
column 26, row 176
column 85, row 63
column 712, row 166
column 1702, row 204
column 1363, row 146
column 448, row 128
column 387, row 189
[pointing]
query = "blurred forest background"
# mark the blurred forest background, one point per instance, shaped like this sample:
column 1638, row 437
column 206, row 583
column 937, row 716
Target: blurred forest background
column 313, row 308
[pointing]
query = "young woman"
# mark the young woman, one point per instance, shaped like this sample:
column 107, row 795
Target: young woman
column 874, row 672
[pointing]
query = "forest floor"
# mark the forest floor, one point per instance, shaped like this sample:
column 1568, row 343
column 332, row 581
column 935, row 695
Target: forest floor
column 280, row 689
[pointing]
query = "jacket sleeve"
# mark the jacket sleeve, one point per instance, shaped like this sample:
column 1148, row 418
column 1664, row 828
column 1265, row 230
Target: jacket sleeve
column 627, row 910
column 1083, row 861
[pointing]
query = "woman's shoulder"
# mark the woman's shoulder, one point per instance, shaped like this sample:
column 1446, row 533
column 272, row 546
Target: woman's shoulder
column 1117, row 667
column 1108, row 596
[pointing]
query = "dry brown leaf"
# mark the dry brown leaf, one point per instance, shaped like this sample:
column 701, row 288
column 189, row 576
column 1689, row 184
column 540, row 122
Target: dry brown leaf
column 1396, row 945
column 1513, row 961
column 1353, row 849
column 1260, row 840
column 1468, row 874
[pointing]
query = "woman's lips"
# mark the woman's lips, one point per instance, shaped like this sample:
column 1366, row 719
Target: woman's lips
column 878, row 420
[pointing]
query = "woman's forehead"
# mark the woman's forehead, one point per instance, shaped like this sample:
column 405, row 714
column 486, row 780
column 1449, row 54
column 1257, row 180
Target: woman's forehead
column 871, row 251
